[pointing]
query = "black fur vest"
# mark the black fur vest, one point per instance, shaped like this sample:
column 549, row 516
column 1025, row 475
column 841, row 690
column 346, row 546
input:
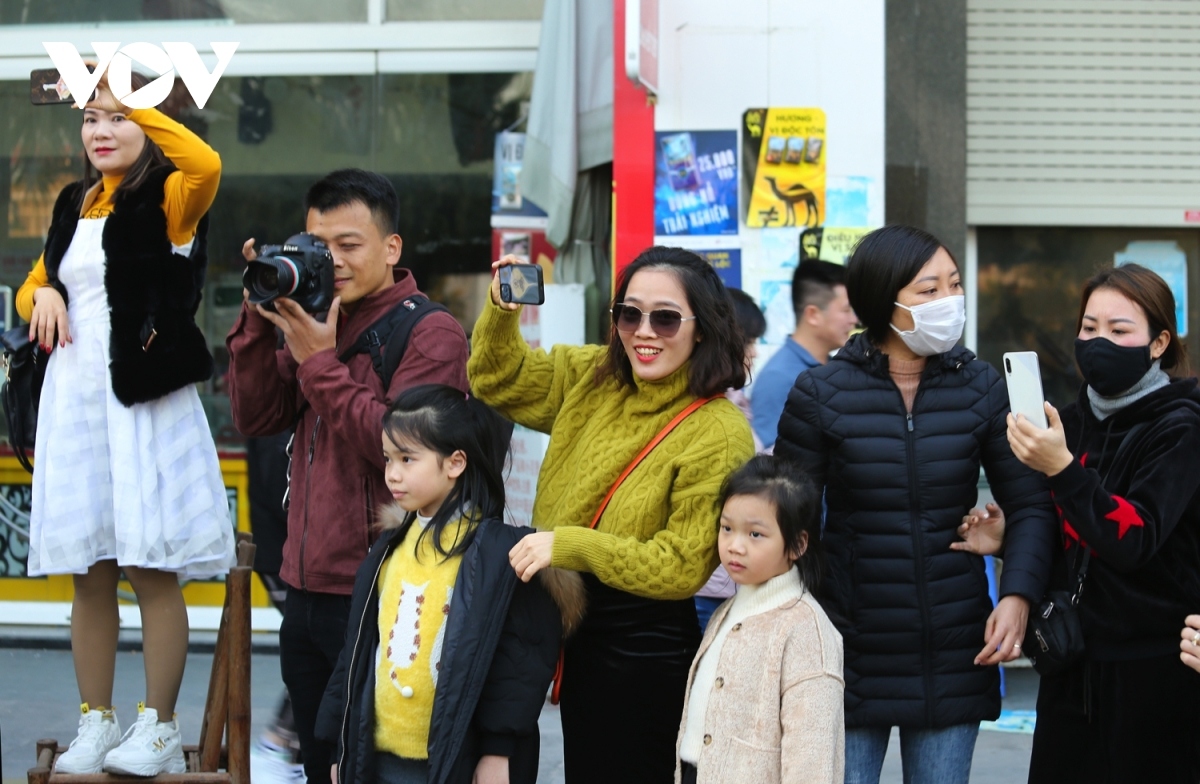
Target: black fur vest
column 153, row 293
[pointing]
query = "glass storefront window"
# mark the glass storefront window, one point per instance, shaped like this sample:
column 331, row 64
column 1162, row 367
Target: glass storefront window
column 431, row 134
column 463, row 10
column 1029, row 285
column 14, row 12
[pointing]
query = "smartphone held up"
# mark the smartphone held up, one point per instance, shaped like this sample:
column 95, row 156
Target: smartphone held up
column 522, row 284
column 1024, row 378
column 46, row 87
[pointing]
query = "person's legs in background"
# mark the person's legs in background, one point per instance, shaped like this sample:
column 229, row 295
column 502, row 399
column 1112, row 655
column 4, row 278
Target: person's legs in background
column 705, row 605
column 310, row 640
column 865, row 749
column 275, row 756
column 941, row 756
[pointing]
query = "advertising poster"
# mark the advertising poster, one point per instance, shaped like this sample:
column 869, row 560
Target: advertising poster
column 831, row 243
column 506, row 190
column 783, row 167
column 695, row 183
column 728, row 264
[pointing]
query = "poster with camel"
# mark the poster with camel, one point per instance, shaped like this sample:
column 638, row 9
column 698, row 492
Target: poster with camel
column 783, row 167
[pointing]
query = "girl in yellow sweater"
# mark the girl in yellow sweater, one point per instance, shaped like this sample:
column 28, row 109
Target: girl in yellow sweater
column 126, row 476
column 448, row 655
column 674, row 341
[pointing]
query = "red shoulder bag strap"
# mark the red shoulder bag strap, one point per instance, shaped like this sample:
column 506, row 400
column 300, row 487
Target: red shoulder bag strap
column 682, row 415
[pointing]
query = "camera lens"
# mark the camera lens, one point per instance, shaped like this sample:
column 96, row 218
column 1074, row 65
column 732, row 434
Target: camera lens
column 270, row 277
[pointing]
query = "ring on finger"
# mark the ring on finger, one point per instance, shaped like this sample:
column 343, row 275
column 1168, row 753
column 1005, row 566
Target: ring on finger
column 1196, row 639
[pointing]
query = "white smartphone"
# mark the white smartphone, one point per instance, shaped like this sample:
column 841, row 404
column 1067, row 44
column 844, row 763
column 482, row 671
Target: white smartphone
column 1024, row 379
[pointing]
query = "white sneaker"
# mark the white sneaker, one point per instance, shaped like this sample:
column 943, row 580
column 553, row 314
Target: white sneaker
column 99, row 734
column 149, row 747
column 269, row 766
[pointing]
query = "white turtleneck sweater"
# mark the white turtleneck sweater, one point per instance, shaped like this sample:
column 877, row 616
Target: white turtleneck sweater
column 749, row 600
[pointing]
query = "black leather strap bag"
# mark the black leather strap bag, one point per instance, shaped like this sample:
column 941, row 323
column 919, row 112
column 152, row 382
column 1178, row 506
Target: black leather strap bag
column 24, row 367
column 1054, row 634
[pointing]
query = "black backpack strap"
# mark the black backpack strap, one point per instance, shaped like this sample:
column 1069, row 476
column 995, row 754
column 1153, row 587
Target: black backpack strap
column 387, row 339
column 397, row 342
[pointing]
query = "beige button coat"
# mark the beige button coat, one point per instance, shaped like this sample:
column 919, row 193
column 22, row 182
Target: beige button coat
column 775, row 711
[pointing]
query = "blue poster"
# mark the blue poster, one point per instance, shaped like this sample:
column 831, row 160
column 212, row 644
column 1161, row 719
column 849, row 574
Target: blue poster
column 695, row 183
column 507, row 198
column 728, row 264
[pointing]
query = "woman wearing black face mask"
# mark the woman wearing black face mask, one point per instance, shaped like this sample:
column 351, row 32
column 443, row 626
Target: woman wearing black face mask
column 1124, row 464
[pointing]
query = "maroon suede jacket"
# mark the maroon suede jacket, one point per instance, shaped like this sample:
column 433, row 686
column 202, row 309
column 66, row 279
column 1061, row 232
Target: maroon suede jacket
column 338, row 439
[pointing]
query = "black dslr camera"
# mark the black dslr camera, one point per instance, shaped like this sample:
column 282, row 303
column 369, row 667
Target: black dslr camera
column 301, row 269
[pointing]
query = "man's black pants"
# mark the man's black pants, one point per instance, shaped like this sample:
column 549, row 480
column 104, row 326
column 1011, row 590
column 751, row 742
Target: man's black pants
column 310, row 641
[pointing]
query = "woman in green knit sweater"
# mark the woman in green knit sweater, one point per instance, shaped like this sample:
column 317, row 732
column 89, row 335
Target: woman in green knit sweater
column 675, row 340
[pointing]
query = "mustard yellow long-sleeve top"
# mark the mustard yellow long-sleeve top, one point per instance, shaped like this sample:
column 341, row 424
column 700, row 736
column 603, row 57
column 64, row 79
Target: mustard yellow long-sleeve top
column 657, row 538
column 187, row 194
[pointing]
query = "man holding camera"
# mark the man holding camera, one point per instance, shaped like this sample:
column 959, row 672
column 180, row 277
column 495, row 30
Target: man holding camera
column 336, row 403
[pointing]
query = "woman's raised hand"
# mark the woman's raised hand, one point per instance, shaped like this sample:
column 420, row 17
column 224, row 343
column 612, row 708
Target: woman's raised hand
column 507, row 261
column 49, row 319
column 1042, row 450
column 1189, row 646
column 982, row 531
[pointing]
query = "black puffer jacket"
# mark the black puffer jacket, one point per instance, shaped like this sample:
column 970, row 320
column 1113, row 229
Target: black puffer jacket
column 911, row 610
column 1137, row 505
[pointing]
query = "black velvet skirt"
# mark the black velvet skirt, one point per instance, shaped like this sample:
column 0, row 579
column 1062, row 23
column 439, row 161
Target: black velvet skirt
column 624, row 675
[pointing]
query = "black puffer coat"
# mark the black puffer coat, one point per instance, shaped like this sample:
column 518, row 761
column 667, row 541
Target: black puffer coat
column 911, row 610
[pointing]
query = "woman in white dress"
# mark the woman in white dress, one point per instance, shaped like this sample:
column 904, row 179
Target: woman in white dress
column 126, row 475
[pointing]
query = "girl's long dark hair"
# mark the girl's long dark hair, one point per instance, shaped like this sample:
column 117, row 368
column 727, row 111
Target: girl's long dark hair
column 443, row 420
column 150, row 159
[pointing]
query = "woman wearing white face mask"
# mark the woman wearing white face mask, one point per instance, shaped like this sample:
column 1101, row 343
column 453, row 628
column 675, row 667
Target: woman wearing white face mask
column 895, row 429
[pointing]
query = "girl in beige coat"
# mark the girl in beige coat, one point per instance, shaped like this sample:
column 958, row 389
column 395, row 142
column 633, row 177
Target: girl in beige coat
column 764, row 695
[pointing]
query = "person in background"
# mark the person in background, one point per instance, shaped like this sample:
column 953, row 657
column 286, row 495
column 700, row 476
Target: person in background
column 894, row 430
column 1123, row 462
column 764, row 699
column 674, row 343
column 275, row 756
column 719, row 587
column 824, row 321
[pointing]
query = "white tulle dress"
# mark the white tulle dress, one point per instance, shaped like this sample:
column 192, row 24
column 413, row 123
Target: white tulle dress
column 141, row 484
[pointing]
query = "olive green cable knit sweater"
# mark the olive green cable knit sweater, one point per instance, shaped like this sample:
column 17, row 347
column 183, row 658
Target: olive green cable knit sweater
column 658, row 536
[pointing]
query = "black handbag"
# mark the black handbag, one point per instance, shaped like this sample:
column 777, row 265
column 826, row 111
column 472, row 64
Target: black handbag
column 24, row 366
column 1054, row 633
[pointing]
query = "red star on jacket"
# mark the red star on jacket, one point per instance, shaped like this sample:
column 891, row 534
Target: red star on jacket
column 1125, row 516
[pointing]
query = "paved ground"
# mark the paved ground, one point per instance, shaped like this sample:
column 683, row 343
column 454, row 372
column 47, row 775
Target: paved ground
column 38, row 699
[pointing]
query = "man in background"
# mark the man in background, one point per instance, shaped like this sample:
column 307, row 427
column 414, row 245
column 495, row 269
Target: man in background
column 824, row 321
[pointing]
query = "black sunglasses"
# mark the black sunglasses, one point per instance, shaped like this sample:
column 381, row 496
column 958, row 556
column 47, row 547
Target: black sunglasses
column 665, row 323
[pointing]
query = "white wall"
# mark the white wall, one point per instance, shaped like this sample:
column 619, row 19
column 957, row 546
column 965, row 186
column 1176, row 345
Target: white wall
column 718, row 58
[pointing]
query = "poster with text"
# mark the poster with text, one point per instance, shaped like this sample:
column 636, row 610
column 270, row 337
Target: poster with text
column 695, row 183
column 783, row 167
column 728, row 264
